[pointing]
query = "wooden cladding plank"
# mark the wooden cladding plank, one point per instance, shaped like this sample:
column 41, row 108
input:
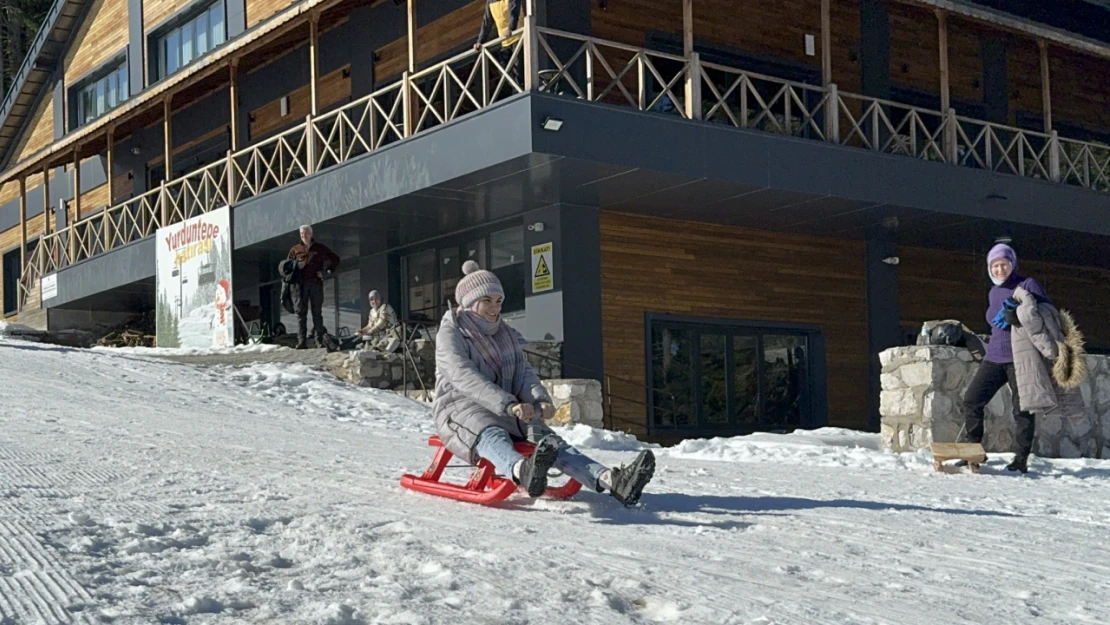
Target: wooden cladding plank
column 1080, row 89
column 123, row 187
column 334, row 88
column 11, row 190
column 457, row 28
column 94, row 200
column 259, row 10
column 937, row 284
column 157, row 11
column 915, row 49
column 39, row 132
column 102, row 34
column 703, row 270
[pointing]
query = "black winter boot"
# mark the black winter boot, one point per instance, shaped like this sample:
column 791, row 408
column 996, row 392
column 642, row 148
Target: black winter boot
column 1020, row 463
column 533, row 470
column 627, row 483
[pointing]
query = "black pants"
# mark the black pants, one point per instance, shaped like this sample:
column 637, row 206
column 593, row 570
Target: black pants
column 991, row 377
column 310, row 295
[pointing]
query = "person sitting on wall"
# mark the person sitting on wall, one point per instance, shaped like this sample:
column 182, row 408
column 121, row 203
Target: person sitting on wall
column 382, row 332
column 997, row 368
column 487, row 396
column 316, row 262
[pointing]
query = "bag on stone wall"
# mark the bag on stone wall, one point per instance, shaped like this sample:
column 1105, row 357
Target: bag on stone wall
column 953, row 333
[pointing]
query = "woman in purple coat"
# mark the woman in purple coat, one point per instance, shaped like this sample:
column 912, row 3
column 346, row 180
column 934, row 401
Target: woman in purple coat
column 997, row 368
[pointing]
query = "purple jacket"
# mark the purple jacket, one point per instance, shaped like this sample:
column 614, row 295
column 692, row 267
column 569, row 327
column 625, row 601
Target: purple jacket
column 999, row 349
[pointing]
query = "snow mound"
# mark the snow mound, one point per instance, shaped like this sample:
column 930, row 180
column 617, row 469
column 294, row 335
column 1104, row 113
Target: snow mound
column 257, row 348
column 825, row 447
column 585, row 437
column 11, row 330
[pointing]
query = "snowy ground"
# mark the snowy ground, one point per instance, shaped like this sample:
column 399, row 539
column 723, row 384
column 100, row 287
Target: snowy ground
column 135, row 491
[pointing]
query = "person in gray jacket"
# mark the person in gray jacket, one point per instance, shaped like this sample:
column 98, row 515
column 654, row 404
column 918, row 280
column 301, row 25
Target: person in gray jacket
column 487, row 394
column 1049, row 362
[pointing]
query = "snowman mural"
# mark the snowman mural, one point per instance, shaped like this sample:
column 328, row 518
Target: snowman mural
column 223, row 300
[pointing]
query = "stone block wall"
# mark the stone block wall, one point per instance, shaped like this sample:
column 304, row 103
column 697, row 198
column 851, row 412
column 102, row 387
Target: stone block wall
column 921, row 403
column 576, row 401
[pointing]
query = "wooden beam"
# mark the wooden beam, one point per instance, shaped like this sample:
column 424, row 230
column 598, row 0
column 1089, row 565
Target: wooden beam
column 234, row 91
column 411, row 5
column 23, row 221
column 942, row 37
column 167, row 136
column 47, row 207
column 314, row 59
column 687, row 28
column 111, row 160
column 826, row 43
column 76, row 192
column 1046, row 84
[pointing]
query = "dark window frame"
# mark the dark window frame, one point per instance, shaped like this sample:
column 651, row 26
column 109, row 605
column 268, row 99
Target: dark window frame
column 32, row 244
column 74, row 90
column 813, row 414
column 155, row 38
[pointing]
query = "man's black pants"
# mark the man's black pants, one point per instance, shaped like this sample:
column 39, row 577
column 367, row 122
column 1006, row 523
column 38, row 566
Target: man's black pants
column 990, row 377
column 310, row 295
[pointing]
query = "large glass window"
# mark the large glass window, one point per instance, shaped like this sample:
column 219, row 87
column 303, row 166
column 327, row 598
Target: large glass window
column 100, row 95
column 191, row 40
column 728, row 379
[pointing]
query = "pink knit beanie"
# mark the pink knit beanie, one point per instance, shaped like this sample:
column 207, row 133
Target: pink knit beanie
column 476, row 284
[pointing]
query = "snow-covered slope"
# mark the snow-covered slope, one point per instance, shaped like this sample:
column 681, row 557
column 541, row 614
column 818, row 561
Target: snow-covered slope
column 135, row 491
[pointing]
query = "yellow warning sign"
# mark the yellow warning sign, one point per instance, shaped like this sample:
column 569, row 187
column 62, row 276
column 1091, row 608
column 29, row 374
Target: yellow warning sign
column 542, row 268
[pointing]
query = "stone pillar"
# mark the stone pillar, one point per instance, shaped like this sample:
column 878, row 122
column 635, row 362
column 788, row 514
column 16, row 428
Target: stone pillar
column 576, row 401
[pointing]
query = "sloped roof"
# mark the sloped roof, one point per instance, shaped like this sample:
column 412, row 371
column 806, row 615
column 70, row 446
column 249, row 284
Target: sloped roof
column 35, row 73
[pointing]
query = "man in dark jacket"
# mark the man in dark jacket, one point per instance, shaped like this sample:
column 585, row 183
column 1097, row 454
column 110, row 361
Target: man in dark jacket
column 504, row 16
column 316, row 261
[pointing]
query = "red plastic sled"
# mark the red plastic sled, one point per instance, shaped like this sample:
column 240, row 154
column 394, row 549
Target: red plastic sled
column 484, row 487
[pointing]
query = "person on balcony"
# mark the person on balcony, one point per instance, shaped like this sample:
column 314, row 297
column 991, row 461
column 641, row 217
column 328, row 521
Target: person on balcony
column 997, row 368
column 382, row 332
column 505, row 14
column 487, row 396
column 316, row 262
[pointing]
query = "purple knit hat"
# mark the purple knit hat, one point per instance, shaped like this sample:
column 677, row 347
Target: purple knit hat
column 1002, row 251
column 476, row 284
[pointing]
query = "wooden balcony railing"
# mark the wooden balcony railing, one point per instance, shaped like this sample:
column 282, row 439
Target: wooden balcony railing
column 586, row 68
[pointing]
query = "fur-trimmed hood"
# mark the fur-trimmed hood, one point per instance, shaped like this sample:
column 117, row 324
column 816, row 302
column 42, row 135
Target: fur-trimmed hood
column 1070, row 369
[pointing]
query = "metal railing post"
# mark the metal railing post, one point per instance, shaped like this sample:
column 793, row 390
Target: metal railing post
column 230, row 167
column 163, row 199
column 310, row 145
column 531, row 53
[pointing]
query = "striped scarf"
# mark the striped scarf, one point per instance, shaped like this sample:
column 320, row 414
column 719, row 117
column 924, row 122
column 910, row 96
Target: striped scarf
column 497, row 345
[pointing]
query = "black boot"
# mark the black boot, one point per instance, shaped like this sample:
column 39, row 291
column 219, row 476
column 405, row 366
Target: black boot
column 533, row 470
column 301, row 344
column 1020, row 463
column 627, row 483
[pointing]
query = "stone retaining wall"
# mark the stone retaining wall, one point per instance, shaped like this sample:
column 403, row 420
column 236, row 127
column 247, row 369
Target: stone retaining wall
column 921, row 403
column 576, row 401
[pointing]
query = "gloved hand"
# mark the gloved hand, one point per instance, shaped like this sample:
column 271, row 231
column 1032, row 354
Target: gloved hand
column 999, row 320
column 1009, row 312
column 523, row 412
column 546, row 410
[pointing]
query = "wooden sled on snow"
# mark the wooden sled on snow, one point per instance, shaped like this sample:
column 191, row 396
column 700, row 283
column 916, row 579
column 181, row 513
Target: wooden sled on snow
column 973, row 453
column 484, row 486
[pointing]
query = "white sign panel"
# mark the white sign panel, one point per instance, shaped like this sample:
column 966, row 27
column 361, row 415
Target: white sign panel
column 49, row 286
column 194, row 282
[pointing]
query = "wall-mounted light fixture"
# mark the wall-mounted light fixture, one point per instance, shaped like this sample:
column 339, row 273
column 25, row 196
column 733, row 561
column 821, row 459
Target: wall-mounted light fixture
column 552, row 124
column 536, row 227
column 892, row 260
column 284, row 105
column 1003, row 239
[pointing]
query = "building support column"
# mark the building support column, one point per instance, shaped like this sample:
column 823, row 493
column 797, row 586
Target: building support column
column 47, row 205
column 110, row 161
column 942, row 38
column 167, row 138
column 233, row 90
column 76, row 214
column 410, row 21
column 826, row 43
column 314, row 59
column 693, row 76
column 1046, row 82
column 883, row 318
column 23, row 222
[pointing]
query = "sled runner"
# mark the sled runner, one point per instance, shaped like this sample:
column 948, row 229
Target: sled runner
column 972, row 453
column 484, row 487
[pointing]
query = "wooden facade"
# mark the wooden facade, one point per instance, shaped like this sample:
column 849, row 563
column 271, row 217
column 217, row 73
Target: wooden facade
column 102, row 36
column 334, row 88
column 450, row 32
column 718, row 272
column 259, row 10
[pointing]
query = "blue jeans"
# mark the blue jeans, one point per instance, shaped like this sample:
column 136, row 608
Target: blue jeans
column 495, row 445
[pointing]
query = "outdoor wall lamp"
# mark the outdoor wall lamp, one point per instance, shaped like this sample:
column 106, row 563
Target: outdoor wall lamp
column 536, row 227
column 552, row 124
column 892, row 260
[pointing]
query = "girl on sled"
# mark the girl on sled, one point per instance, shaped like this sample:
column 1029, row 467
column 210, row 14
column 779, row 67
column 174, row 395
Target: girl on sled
column 487, row 395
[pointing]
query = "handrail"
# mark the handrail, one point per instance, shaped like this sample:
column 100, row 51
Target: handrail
column 408, row 106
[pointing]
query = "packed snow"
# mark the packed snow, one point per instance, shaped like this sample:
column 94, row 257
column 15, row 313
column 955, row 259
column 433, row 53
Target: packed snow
column 139, row 491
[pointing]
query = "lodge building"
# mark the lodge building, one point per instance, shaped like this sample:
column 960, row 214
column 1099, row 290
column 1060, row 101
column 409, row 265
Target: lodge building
column 745, row 201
